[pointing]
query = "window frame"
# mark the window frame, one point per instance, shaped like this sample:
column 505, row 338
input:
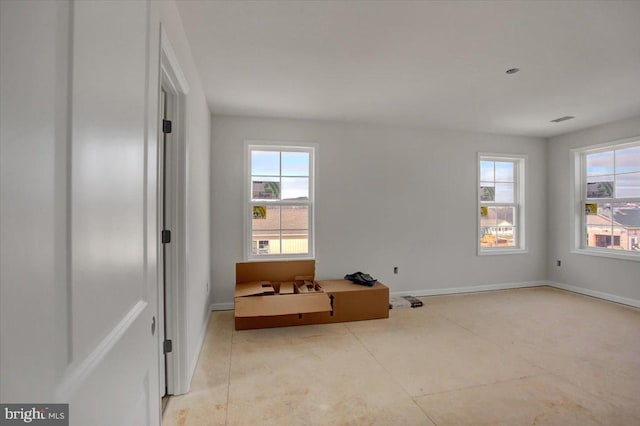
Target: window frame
column 519, row 190
column 578, row 199
column 278, row 146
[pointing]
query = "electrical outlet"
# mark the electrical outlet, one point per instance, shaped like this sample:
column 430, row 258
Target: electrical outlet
column 395, row 269
column 559, row 263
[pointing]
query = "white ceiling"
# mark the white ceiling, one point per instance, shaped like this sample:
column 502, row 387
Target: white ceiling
column 432, row 64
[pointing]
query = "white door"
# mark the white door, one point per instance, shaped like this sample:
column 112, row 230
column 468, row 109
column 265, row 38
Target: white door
column 79, row 209
column 113, row 376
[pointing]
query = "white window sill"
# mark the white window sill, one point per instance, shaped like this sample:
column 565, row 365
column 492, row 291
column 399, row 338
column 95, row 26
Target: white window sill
column 608, row 253
column 274, row 258
column 497, row 252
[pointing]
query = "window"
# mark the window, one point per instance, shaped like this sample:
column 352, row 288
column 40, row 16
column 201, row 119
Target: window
column 607, row 199
column 280, row 201
column 501, row 204
column 260, row 247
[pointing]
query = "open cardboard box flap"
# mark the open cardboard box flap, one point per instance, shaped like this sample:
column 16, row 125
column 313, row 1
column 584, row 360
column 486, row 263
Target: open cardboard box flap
column 332, row 286
column 284, row 304
column 274, row 271
column 255, row 297
column 254, row 288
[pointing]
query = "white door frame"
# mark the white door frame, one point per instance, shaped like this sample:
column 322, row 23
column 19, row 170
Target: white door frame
column 175, row 84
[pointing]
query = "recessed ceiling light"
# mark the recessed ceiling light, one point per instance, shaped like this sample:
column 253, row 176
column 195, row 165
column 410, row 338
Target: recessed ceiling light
column 565, row 118
column 512, row 70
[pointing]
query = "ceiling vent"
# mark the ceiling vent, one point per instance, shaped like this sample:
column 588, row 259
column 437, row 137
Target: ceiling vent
column 561, row 119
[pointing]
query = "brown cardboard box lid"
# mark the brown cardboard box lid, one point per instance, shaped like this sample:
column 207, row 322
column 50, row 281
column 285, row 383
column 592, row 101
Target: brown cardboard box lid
column 287, row 287
column 345, row 285
column 254, row 288
column 274, row 271
column 261, row 306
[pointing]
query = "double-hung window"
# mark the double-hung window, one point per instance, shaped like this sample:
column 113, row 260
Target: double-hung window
column 607, row 200
column 280, row 201
column 501, row 204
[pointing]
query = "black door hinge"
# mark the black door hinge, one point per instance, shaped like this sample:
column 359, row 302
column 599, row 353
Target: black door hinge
column 166, row 126
column 166, row 236
column 167, row 346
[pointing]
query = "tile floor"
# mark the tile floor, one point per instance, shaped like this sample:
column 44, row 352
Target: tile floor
column 537, row 356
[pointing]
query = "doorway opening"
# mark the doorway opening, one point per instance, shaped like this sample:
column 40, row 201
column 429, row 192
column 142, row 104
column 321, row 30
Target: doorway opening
column 164, row 251
column 171, row 225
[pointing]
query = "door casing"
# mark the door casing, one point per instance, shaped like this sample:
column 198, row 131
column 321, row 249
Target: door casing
column 173, row 82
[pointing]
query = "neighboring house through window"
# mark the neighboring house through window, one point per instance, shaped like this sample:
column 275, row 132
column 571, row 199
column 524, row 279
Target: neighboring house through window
column 501, row 195
column 606, row 216
column 280, row 200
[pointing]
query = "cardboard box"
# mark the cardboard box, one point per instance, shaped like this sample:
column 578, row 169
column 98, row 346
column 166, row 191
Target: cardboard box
column 267, row 296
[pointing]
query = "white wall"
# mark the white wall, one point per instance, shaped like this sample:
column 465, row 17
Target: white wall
column 387, row 197
column 620, row 278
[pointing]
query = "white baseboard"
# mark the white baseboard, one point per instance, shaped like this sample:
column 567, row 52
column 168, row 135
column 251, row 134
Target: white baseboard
column 489, row 287
column 228, row 306
column 469, row 289
column 222, row 306
column 597, row 294
column 196, row 355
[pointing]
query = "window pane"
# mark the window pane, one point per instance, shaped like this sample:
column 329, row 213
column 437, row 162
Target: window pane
column 268, row 240
column 599, row 236
column 487, row 237
column 260, row 247
column 615, row 241
column 295, row 233
column 295, row 188
column 626, row 221
column 489, row 220
column 628, row 185
column 487, row 191
column 265, row 188
column 498, row 217
column 600, row 186
column 295, row 242
column 295, row 217
column 497, row 236
column 628, row 160
column 504, row 171
column 265, row 217
column 295, row 164
column 505, row 216
column 600, row 163
column 605, row 211
column 486, row 171
column 505, row 236
column 265, row 163
column 599, row 227
column 504, row 192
